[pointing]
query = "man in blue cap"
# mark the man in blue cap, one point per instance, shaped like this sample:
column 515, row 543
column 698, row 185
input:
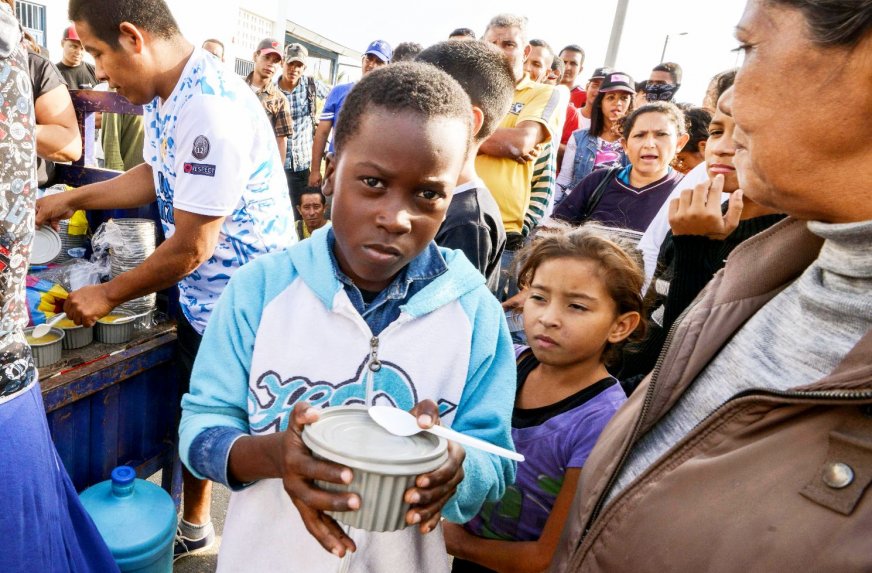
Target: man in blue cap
column 377, row 54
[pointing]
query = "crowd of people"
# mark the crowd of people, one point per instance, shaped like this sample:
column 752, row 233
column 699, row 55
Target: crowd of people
column 666, row 307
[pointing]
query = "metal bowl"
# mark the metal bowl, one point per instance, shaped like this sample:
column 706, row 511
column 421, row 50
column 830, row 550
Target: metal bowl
column 384, row 465
column 77, row 336
column 46, row 353
column 112, row 333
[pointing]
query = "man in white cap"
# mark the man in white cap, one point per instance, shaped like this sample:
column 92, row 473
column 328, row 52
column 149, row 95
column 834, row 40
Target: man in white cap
column 267, row 60
column 301, row 92
column 377, row 54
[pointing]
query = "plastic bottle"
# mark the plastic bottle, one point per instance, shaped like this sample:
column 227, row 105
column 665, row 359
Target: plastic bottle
column 136, row 518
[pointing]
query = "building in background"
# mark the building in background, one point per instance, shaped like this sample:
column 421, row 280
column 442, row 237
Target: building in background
column 239, row 25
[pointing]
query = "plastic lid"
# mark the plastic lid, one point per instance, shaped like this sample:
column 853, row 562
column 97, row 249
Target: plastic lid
column 347, row 435
column 45, row 247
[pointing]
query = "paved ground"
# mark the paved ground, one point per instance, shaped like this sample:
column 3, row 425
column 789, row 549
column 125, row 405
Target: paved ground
column 207, row 561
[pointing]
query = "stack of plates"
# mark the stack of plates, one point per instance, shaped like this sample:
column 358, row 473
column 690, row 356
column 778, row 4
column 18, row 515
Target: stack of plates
column 139, row 243
column 68, row 242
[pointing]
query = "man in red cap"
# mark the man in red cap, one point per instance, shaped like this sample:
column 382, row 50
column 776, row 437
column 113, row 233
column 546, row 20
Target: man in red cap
column 78, row 73
column 267, row 61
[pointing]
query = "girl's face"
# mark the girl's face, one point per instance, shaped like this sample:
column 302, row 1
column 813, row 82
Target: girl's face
column 569, row 316
column 720, row 149
column 652, row 144
column 615, row 105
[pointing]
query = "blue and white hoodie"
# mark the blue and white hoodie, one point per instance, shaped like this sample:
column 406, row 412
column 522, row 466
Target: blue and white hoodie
column 284, row 331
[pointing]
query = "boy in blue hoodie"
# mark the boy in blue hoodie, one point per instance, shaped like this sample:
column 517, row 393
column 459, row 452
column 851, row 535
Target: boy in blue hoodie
column 296, row 331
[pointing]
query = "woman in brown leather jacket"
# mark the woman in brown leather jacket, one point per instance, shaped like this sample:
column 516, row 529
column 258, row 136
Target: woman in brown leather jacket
column 749, row 447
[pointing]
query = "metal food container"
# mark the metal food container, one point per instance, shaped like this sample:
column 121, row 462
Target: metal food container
column 384, row 465
column 76, row 336
column 49, row 352
column 112, row 333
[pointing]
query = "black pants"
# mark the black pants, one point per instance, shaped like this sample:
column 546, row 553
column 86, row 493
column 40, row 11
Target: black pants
column 186, row 351
column 297, row 182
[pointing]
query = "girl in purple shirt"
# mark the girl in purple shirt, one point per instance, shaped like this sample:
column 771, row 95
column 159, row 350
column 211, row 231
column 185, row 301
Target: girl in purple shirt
column 582, row 305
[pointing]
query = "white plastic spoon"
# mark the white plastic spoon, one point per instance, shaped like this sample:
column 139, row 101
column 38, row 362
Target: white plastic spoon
column 44, row 328
column 401, row 423
column 129, row 318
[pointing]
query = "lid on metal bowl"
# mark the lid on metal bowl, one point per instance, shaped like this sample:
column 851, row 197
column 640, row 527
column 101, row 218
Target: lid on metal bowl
column 347, row 435
column 45, row 247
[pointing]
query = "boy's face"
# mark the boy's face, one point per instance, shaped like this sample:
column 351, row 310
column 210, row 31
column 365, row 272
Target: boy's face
column 390, row 193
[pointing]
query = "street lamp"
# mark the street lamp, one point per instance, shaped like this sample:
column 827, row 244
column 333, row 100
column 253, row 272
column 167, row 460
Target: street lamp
column 666, row 43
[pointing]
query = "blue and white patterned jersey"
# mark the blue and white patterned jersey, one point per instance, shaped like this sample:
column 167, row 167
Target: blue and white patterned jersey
column 213, row 153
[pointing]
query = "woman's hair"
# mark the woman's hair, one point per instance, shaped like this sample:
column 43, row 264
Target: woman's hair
column 720, row 83
column 620, row 270
column 670, row 110
column 834, row 23
column 697, row 120
column 597, row 119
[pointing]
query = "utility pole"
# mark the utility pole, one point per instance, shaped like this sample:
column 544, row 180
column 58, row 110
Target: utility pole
column 617, row 31
column 666, row 43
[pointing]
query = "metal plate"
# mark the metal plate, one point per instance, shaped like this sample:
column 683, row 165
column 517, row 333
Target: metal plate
column 45, row 247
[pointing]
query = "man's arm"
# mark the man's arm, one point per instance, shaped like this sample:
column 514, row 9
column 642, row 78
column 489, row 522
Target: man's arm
column 282, row 143
column 515, row 142
column 319, row 144
column 190, row 246
column 541, row 190
column 57, row 131
column 133, row 188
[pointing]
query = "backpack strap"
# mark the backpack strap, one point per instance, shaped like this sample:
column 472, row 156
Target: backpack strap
column 594, row 200
column 310, row 95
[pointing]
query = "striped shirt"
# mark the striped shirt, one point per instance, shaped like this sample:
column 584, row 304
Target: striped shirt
column 541, row 189
column 299, row 153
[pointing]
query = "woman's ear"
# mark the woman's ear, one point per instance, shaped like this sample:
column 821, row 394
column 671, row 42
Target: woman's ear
column 329, row 171
column 624, row 326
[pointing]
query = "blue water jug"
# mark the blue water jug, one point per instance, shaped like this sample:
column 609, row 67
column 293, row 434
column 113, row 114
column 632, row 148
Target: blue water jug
column 136, row 518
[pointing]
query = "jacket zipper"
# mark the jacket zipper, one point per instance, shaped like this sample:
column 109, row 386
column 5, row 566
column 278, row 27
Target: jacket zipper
column 840, row 395
column 373, row 365
column 646, row 405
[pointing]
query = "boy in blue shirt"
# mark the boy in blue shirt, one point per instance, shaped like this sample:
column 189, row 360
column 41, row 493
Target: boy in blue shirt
column 296, row 331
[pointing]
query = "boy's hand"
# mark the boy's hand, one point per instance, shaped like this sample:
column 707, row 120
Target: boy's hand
column 300, row 469
column 433, row 490
column 698, row 211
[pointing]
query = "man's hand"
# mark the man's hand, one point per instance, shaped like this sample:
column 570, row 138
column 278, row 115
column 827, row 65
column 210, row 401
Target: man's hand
column 516, row 302
column 53, row 209
column 300, row 469
column 533, row 154
column 88, row 304
column 315, row 178
column 698, row 211
column 433, row 490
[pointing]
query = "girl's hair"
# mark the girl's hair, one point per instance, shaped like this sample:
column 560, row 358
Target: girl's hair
column 620, row 270
column 670, row 110
column 697, row 120
column 598, row 120
column 720, row 83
